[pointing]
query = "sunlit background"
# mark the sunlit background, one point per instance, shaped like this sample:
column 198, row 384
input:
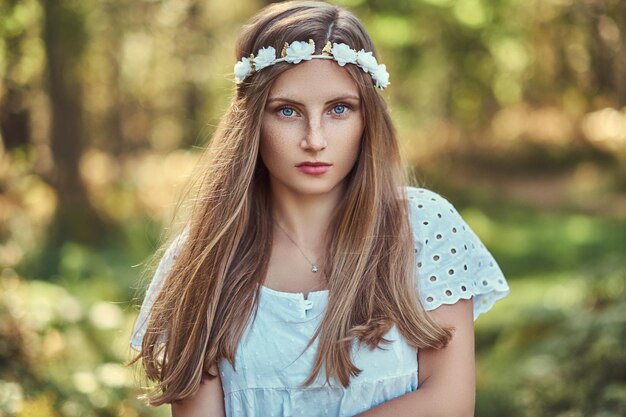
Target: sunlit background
column 512, row 109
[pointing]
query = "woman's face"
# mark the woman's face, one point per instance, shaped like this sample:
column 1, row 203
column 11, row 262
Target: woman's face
column 313, row 114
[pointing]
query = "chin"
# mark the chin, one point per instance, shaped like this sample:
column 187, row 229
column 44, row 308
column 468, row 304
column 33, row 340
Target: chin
column 314, row 187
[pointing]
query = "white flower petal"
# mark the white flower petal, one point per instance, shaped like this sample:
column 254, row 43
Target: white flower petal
column 242, row 69
column 381, row 76
column 265, row 57
column 367, row 61
column 343, row 54
column 298, row 51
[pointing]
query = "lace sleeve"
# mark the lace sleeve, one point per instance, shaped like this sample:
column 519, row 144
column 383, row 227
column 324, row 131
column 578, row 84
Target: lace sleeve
column 452, row 262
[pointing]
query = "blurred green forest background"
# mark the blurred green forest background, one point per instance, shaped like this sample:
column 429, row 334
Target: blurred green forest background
column 512, row 109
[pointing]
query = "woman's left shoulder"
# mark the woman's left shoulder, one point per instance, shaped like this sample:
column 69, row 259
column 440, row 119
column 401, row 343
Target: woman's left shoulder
column 421, row 195
column 431, row 207
column 452, row 261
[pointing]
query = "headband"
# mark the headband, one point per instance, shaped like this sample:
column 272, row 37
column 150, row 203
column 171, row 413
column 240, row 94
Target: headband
column 299, row 51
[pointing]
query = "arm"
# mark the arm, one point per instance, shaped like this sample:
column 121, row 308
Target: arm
column 447, row 386
column 208, row 401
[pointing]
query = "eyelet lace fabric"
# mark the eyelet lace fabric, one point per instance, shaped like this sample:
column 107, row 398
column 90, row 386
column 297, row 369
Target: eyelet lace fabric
column 271, row 361
column 452, row 262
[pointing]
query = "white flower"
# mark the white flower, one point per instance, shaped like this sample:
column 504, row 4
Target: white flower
column 366, row 61
column 343, row 54
column 265, row 58
column 242, row 69
column 298, row 51
column 381, row 76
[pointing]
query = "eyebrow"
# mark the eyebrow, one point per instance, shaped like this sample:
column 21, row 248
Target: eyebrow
column 344, row 97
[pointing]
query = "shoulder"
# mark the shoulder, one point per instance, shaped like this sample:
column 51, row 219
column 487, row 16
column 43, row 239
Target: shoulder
column 429, row 208
column 166, row 262
column 452, row 261
column 437, row 224
column 179, row 241
column 420, row 195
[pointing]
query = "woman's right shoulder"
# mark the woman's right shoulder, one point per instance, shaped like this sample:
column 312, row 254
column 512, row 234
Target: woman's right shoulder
column 172, row 251
column 179, row 241
column 165, row 264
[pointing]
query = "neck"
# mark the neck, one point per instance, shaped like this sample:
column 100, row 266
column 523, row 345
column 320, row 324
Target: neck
column 305, row 217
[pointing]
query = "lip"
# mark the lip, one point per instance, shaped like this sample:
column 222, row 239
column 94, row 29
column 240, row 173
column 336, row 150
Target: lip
column 313, row 164
column 310, row 169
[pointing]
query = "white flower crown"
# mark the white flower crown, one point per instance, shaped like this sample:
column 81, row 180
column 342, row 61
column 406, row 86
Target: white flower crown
column 299, row 51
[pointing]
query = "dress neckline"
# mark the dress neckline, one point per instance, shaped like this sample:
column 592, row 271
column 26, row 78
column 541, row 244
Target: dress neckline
column 294, row 295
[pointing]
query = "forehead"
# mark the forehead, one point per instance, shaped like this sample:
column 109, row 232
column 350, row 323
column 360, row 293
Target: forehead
column 315, row 79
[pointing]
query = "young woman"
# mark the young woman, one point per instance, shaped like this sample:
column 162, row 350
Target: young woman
column 310, row 279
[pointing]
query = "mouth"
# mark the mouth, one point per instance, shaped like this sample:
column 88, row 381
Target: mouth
column 313, row 164
column 314, row 168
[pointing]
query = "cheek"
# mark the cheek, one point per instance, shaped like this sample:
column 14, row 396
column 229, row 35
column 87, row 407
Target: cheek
column 272, row 145
column 265, row 150
column 265, row 143
column 350, row 141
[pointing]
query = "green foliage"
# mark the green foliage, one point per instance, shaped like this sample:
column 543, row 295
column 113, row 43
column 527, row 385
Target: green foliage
column 567, row 358
column 63, row 356
column 553, row 241
column 554, row 347
column 511, row 87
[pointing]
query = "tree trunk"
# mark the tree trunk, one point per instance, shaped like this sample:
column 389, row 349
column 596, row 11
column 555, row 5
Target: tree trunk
column 14, row 112
column 76, row 219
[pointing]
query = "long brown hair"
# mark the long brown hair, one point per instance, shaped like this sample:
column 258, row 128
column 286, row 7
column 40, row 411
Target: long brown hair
column 211, row 290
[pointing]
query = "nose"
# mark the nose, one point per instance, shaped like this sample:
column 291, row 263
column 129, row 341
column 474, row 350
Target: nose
column 315, row 139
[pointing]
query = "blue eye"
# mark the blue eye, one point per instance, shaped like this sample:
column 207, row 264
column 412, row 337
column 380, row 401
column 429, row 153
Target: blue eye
column 341, row 106
column 288, row 109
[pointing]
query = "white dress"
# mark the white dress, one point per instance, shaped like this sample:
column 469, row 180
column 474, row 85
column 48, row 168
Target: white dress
column 270, row 365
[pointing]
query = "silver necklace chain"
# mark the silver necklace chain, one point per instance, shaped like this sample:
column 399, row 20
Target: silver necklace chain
column 314, row 267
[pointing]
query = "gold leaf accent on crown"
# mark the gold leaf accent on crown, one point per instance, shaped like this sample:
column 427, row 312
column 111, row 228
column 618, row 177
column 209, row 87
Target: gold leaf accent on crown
column 312, row 44
column 284, row 51
column 327, row 48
